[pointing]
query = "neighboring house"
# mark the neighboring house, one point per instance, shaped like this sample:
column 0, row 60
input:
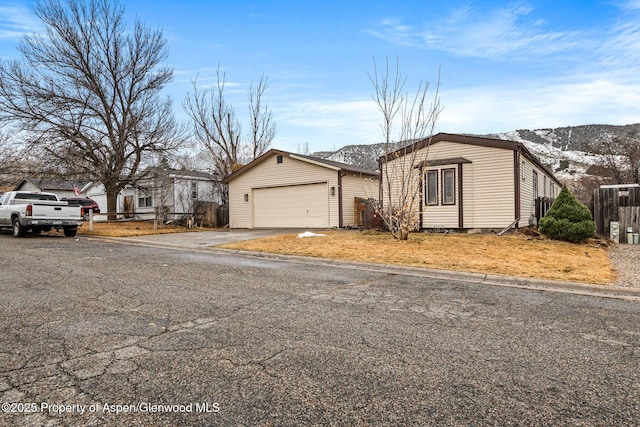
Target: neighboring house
column 173, row 190
column 281, row 189
column 470, row 182
column 59, row 187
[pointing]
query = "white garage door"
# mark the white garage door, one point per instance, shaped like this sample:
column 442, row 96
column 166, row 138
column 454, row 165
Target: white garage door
column 291, row 206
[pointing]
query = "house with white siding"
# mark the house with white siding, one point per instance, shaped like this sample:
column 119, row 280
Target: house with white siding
column 286, row 190
column 468, row 182
column 172, row 190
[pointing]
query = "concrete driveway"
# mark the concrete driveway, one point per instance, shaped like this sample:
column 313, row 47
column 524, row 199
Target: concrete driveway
column 203, row 239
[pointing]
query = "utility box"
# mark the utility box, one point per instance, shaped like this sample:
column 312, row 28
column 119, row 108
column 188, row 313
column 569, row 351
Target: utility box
column 614, row 231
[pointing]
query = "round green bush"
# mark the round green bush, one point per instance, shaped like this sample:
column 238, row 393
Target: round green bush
column 568, row 219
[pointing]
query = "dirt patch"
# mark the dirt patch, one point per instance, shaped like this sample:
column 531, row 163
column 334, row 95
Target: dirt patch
column 512, row 255
column 131, row 228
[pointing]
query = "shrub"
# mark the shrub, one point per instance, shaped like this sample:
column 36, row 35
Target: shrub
column 568, row 219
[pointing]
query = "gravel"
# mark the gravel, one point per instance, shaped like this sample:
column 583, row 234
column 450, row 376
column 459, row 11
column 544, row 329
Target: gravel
column 626, row 260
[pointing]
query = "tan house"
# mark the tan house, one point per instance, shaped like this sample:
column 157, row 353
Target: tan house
column 469, row 182
column 282, row 190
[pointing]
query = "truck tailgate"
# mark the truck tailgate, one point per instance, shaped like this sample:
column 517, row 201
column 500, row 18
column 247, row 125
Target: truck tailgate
column 55, row 211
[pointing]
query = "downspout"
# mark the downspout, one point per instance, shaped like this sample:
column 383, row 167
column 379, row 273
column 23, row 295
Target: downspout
column 460, row 198
column 517, row 188
column 421, row 193
column 340, row 221
column 380, row 186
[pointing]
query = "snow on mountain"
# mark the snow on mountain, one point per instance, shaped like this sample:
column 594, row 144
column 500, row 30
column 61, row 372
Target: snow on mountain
column 569, row 152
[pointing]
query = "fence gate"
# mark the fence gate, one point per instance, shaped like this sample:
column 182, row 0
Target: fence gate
column 365, row 214
column 616, row 204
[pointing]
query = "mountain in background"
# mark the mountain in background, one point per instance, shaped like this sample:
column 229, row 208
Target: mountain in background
column 569, row 152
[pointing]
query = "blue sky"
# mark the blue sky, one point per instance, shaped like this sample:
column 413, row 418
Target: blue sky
column 504, row 65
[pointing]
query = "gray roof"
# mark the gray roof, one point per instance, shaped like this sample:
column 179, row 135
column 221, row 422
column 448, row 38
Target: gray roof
column 330, row 163
column 50, row 184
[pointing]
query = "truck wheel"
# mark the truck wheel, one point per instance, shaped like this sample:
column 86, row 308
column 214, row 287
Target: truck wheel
column 18, row 229
column 71, row 231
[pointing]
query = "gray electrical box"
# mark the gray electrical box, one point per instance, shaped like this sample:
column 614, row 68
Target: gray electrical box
column 614, row 231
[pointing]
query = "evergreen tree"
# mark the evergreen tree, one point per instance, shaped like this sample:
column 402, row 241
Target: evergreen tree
column 568, row 219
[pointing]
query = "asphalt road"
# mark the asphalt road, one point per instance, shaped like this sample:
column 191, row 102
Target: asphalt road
column 102, row 333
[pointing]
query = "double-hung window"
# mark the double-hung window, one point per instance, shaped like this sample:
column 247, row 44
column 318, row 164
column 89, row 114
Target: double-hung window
column 440, row 180
column 448, row 186
column 145, row 201
column 431, row 188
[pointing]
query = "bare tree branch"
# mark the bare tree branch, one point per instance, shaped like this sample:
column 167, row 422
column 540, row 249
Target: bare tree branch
column 88, row 92
column 217, row 129
column 621, row 156
column 263, row 129
column 404, row 159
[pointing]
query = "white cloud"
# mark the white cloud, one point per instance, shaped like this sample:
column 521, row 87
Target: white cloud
column 325, row 124
column 15, row 21
column 470, row 32
column 493, row 109
column 629, row 5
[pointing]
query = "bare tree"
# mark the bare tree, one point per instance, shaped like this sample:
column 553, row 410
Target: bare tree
column 621, row 156
column 217, row 128
column 411, row 120
column 8, row 162
column 263, row 129
column 89, row 93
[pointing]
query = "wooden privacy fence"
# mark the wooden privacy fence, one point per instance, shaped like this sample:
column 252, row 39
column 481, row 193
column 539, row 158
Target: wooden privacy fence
column 620, row 205
column 543, row 204
column 365, row 214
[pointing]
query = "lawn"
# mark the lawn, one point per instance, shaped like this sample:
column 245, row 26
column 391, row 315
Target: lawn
column 512, row 255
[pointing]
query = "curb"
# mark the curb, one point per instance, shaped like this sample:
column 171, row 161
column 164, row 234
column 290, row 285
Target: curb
column 577, row 288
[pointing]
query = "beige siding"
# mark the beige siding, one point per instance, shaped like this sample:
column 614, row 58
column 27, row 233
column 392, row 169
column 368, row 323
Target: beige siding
column 488, row 185
column 400, row 184
column 527, row 197
column 440, row 215
column 269, row 173
column 354, row 185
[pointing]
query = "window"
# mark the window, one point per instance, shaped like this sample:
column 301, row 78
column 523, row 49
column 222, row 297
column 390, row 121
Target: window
column 552, row 191
column 544, row 185
column 279, row 159
column 448, row 187
column 535, row 185
column 145, row 202
column 431, row 188
column 522, row 172
column 194, row 190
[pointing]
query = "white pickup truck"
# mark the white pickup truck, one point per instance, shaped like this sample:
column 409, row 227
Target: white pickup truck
column 27, row 210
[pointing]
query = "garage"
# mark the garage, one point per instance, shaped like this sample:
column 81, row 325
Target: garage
column 296, row 206
column 280, row 189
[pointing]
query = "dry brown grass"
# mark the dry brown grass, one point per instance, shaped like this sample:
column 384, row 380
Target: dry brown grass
column 130, row 228
column 512, row 255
